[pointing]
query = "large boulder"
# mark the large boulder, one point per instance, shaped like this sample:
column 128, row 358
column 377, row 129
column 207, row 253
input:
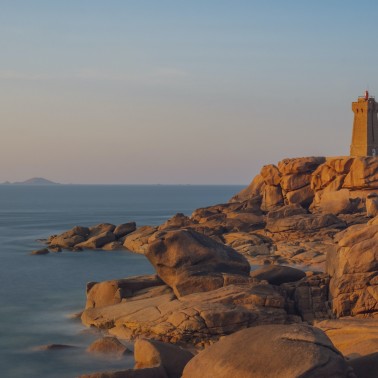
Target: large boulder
column 337, row 202
column 106, row 293
column 353, row 267
column 190, row 262
column 288, row 351
column 153, row 353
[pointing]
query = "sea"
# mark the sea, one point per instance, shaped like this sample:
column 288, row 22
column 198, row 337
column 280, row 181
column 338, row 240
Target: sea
column 39, row 295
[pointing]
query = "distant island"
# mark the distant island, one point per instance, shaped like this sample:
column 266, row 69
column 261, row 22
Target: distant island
column 32, row 181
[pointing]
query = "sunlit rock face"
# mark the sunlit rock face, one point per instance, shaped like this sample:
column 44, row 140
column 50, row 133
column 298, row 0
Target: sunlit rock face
column 353, row 267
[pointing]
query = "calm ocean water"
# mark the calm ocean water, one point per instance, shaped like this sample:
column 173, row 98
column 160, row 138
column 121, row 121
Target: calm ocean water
column 38, row 293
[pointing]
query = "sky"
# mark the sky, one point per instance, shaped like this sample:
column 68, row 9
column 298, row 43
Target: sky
column 178, row 92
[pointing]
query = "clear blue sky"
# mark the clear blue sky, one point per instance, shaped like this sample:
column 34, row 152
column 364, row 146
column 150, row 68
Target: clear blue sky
column 199, row 91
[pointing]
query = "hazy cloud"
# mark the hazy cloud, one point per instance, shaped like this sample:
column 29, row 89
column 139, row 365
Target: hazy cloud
column 162, row 75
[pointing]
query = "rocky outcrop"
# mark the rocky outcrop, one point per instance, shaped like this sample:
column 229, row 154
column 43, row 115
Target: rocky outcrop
column 105, row 236
column 334, row 185
column 190, row 262
column 271, row 351
column 291, row 214
column 353, row 267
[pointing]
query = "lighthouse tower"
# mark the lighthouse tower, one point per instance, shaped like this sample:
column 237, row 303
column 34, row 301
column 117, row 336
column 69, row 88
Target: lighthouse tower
column 365, row 127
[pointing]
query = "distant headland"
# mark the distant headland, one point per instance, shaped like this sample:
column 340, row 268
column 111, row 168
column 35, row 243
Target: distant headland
column 32, row 181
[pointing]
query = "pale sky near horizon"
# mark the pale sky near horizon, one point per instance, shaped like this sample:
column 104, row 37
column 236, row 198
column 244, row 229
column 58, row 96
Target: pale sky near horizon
column 178, row 92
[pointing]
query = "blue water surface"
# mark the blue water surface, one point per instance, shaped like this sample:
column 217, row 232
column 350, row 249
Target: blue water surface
column 39, row 293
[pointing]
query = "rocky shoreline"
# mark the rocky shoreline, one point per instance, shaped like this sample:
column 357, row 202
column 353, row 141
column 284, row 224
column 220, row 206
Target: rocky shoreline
column 310, row 309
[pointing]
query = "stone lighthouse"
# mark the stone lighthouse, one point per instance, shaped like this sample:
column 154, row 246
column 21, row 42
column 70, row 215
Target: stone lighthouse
column 365, row 127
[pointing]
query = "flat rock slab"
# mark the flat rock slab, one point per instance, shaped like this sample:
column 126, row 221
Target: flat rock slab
column 195, row 318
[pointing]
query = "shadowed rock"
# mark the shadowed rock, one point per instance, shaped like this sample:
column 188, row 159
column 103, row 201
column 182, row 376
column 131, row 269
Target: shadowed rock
column 152, row 353
column 366, row 366
column 124, row 229
column 43, row 251
column 156, row 372
column 277, row 275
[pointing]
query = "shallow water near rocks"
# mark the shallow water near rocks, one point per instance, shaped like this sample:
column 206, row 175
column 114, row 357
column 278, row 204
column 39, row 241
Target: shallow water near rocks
column 39, row 293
